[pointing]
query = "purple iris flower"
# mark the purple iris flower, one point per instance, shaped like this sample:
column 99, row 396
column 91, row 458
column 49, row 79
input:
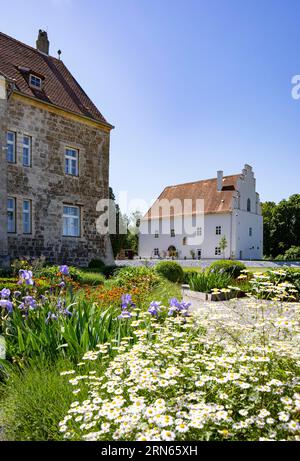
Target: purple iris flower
column 125, row 315
column 180, row 307
column 5, row 293
column 6, row 304
column 154, row 308
column 126, row 301
column 17, row 294
column 51, row 316
column 62, row 284
column 25, row 277
column 64, row 270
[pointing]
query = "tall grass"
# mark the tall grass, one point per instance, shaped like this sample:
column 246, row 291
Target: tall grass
column 207, row 281
column 32, row 401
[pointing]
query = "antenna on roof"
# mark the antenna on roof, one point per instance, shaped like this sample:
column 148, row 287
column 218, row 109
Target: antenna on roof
column 59, row 53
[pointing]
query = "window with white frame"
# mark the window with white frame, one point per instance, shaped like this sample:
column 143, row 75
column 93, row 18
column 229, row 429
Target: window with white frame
column 26, row 150
column 172, row 232
column 156, row 235
column 199, row 231
column 156, row 252
column 71, row 221
column 217, row 251
column 35, row 81
column 250, row 231
column 218, row 230
column 11, row 215
column 26, row 216
column 71, row 161
column 11, row 146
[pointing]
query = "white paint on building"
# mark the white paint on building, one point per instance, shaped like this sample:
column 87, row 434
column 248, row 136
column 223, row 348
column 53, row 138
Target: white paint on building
column 235, row 214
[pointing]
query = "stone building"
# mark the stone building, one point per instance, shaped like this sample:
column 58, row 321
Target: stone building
column 54, row 159
column 230, row 224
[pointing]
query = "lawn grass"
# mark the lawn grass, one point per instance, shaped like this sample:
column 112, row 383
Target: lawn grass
column 32, row 401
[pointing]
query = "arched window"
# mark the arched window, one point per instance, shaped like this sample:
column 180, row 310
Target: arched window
column 184, row 241
column 248, row 205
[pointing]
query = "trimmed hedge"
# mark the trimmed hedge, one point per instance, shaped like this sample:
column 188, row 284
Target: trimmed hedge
column 170, row 270
column 232, row 268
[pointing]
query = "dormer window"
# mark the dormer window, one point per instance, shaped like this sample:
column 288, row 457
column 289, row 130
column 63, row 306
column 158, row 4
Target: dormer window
column 35, row 81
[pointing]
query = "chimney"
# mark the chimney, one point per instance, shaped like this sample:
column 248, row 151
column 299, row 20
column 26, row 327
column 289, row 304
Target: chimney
column 219, row 180
column 42, row 43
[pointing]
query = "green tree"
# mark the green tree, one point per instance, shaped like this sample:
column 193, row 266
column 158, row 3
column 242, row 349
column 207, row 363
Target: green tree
column 223, row 245
column 281, row 225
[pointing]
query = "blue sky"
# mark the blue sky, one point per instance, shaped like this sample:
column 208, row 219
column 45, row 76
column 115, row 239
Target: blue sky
column 192, row 86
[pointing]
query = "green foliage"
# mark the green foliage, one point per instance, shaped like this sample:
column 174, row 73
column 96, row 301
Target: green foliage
column 170, row 270
column 281, row 225
column 223, row 244
column 292, row 253
column 233, row 268
column 32, row 401
column 51, row 272
column 187, row 273
column 97, row 264
column 90, row 278
column 35, row 338
column 135, row 276
column 207, row 281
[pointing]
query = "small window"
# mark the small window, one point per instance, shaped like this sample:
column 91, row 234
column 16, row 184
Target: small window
column 26, row 216
column 71, row 161
column 26, row 150
column 35, row 81
column 71, row 221
column 218, row 230
column 11, row 215
column 199, row 231
column 248, row 205
column 184, row 240
column 156, row 235
column 156, row 252
column 217, row 251
column 172, row 232
column 11, row 147
column 250, row 231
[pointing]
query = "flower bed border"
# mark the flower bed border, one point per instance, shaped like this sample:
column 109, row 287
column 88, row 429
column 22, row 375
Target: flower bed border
column 202, row 296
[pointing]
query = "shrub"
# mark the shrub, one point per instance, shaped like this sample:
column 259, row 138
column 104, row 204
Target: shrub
column 233, row 268
column 97, row 264
column 170, row 270
column 90, row 278
column 188, row 273
column 51, row 272
column 133, row 277
column 207, row 281
column 292, row 253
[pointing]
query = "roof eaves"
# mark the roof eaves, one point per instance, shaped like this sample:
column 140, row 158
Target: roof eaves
column 47, row 103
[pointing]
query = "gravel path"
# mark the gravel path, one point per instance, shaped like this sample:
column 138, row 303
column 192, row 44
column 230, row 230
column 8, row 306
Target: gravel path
column 203, row 263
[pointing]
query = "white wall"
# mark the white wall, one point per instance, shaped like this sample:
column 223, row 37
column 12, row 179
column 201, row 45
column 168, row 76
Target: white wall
column 207, row 242
column 235, row 227
column 246, row 246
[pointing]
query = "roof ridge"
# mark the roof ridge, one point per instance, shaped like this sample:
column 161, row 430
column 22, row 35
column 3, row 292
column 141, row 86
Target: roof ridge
column 201, row 180
column 30, row 47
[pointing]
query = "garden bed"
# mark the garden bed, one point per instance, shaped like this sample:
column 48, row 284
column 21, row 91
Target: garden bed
column 217, row 296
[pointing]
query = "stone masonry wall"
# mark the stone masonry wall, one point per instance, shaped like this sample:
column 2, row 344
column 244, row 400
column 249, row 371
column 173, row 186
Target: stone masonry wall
column 49, row 188
column 3, row 219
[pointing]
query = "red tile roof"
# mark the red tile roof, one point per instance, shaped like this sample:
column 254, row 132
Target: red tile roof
column 214, row 201
column 59, row 87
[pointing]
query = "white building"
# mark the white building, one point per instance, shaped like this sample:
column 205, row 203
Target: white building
column 230, row 208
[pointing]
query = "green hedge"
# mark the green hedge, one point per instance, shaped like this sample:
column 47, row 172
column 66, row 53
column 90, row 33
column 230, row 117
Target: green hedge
column 232, row 268
column 170, row 270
